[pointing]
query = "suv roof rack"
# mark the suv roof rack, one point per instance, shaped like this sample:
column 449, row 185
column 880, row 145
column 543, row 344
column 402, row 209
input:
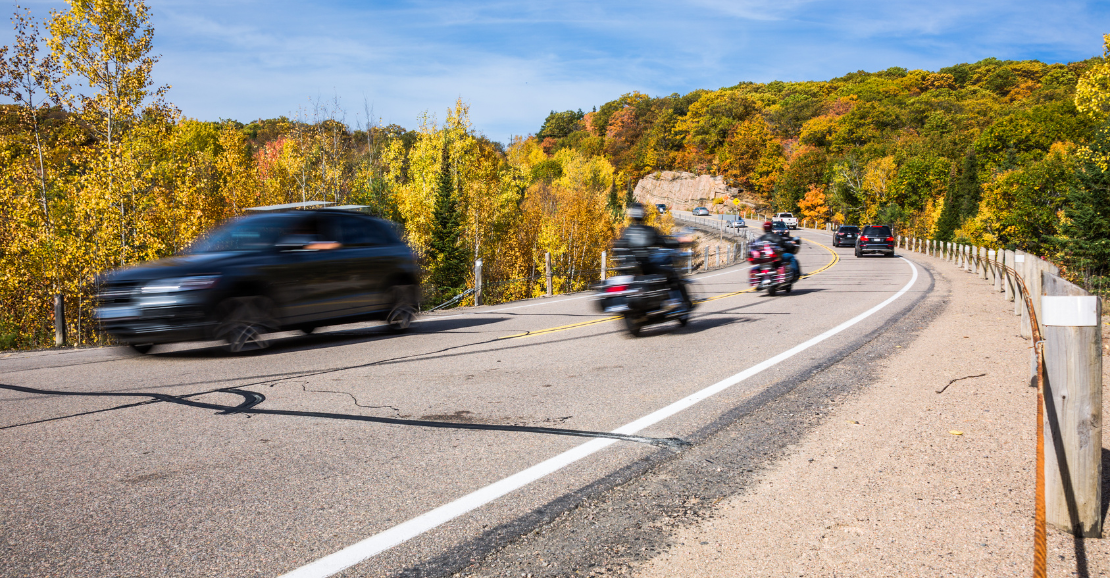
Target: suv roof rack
column 303, row 205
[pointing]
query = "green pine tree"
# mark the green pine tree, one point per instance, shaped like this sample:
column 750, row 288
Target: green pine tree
column 1084, row 242
column 448, row 257
column 949, row 219
column 969, row 190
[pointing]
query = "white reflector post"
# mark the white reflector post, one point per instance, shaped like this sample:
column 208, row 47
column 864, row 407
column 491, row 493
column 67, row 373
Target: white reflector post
column 1069, row 311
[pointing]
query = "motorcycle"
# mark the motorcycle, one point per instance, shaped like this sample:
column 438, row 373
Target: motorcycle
column 642, row 300
column 769, row 270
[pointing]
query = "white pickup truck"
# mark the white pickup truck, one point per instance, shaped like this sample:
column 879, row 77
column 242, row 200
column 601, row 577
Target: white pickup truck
column 788, row 218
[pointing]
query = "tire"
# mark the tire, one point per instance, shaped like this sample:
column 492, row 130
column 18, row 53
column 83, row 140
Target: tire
column 308, row 329
column 634, row 325
column 244, row 321
column 141, row 348
column 789, row 287
column 858, row 253
column 684, row 319
column 890, row 254
column 771, row 290
column 403, row 312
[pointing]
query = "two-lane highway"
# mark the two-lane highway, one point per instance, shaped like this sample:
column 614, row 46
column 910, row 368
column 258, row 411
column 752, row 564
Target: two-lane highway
column 360, row 450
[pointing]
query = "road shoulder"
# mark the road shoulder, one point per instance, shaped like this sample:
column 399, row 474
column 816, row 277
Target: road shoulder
column 900, row 480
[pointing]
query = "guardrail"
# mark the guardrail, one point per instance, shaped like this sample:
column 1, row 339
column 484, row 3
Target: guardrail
column 1064, row 323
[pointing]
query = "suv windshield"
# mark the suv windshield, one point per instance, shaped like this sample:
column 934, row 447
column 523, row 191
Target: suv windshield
column 849, row 229
column 247, row 234
column 883, row 231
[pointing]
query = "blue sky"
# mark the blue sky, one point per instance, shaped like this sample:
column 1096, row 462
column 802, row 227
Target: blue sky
column 515, row 61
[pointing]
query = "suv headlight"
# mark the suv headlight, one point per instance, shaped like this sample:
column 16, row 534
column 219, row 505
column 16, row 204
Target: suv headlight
column 180, row 284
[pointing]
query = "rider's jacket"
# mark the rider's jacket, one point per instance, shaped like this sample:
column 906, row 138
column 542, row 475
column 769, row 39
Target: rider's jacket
column 639, row 238
column 775, row 239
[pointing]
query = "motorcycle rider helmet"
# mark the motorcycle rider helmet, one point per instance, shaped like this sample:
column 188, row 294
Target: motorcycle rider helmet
column 635, row 212
column 767, row 226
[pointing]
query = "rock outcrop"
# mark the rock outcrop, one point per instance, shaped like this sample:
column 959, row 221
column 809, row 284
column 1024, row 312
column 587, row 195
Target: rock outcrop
column 683, row 191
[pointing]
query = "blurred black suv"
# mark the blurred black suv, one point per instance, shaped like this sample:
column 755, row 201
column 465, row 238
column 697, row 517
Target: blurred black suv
column 875, row 239
column 264, row 273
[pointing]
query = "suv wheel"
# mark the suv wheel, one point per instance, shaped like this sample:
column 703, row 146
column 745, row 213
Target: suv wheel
column 403, row 312
column 141, row 348
column 244, row 321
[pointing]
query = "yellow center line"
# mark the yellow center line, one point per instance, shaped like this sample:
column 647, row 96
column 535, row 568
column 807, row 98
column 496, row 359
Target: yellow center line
column 835, row 259
column 560, row 328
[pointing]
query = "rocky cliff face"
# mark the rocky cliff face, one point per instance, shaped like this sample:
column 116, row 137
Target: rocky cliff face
column 682, row 191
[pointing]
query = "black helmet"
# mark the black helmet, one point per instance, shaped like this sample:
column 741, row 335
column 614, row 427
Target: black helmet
column 767, row 226
column 635, row 212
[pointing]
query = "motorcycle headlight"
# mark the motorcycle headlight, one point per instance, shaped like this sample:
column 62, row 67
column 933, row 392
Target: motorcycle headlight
column 180, row 284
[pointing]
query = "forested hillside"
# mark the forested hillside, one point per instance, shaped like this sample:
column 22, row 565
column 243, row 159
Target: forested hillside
column 102, row 171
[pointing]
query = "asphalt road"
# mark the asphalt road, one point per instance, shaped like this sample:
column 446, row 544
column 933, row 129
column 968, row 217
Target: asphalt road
column 354, row 440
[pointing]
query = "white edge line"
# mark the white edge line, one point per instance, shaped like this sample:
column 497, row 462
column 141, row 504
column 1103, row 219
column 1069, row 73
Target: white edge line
column 378, row 543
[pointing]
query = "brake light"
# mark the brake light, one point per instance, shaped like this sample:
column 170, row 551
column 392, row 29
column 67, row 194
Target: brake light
column 615, row 288
column 890, row 239
column 863, row 238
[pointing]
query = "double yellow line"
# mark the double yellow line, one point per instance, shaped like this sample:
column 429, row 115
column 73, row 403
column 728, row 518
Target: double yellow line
column 835, row 259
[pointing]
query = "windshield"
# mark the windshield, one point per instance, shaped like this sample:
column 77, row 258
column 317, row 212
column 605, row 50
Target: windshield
column 249, row 234
column 877, row 231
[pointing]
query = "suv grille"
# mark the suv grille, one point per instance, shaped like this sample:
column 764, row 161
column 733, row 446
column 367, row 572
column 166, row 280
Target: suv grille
column 116, row 293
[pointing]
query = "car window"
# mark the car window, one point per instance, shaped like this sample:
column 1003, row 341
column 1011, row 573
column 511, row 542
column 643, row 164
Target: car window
column 361, row 232
column 245, row 234
column 877, row 231
column 329, row 228
column 847, row 229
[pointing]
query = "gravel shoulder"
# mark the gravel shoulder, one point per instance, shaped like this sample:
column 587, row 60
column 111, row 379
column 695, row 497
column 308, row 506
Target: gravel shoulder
column 900, row 480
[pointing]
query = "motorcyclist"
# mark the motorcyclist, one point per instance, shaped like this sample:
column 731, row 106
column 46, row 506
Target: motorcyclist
column 785, row 245
column 639, row 240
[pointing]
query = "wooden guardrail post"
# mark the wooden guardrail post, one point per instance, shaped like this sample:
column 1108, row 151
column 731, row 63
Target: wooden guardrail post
column 547, row 271
column 59, row 320
column 1007, row 280
column 996, row 270
column 477, row 282
column 1025, row 264
column 705, row 266
column 981, row 255
column 1073, row 406
column 604, row 264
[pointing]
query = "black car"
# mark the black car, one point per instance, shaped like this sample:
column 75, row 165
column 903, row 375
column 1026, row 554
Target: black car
column 845, row 235
column 263, row 273
column 780, row 228
column 661, row 207
column 875, row 239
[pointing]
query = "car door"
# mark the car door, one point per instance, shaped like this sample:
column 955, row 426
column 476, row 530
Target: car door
column 309, row 271
column 374, row 258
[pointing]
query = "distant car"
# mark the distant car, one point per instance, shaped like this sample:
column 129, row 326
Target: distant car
column 736, row 224
column 875, row 239
column 701, row 212
column 662, row 208
column 845, row 235
column 264, row 273
column 788, row 218
column 780, row 228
